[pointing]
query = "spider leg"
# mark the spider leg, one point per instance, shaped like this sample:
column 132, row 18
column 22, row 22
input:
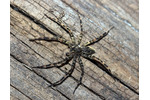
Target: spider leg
column 100, row 64
column 67, row 74
column 60, row 23
column 81, row 34
column 56, row 39
column 57, row 64
column 99, row 38
column 82, row 70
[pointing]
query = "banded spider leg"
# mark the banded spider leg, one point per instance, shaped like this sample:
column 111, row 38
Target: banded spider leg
column 99, row 38
column 63, row 26
column 67, row 74
column 82, row 73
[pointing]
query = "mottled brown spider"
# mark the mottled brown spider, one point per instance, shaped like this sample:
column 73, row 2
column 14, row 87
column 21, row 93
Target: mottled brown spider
column 76, row 51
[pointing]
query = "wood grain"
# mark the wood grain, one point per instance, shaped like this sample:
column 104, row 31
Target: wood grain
column 119, row 50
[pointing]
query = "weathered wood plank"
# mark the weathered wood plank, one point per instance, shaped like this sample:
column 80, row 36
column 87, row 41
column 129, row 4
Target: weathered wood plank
column 119, row 49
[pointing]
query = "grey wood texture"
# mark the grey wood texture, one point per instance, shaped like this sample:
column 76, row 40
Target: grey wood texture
column 119, row 50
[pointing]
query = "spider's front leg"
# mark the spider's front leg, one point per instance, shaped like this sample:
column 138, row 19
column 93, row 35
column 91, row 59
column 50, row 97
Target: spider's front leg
column 60, row 23
column 67, row 74
column 99, row 38
column 81, row 34
column 56, row 39
column 57, row 64
column 82, row 73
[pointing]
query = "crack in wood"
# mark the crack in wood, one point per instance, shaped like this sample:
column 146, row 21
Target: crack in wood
column 102, row 97
column 29, row 47
column 115, row 77
column 53, row 33
column 38, row 22
column 60, row 69
column 39, row 75
column 20, row 91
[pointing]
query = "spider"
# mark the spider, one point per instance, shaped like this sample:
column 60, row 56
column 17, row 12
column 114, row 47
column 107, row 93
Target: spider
column 76, row 51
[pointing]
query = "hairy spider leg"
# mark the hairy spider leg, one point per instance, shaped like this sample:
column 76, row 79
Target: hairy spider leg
column 67, row 74
column 57, row 64
column 99, row 38
column 60, row 23
column 100, row 64
column 81, row 34
column 56, row 39
column 82, row 73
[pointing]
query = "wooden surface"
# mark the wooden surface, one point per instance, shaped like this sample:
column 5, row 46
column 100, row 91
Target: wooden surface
column 119, row 50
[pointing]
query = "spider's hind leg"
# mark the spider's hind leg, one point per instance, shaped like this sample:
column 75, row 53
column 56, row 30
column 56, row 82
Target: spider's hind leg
column 82, row 73
column 99, row 38
column 67, row 74
column 99, row 63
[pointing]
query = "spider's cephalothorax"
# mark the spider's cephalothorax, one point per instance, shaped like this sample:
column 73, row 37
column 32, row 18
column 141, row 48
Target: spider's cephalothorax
column 82, row 50
column 76, row 51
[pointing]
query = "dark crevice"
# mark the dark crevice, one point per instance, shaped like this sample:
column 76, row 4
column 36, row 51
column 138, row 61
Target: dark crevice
column 76, row 79
column 60, row 69
column 38, row 75
column 29, row 47
column 38, row 22
column 34, row 50
column 20, row 91
column 50, row 31
column 132, row 67
column 97, row 94
column 101, row 66
column 84, row 16
column 119, row 95
column 17, row 59
column 103, row 98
